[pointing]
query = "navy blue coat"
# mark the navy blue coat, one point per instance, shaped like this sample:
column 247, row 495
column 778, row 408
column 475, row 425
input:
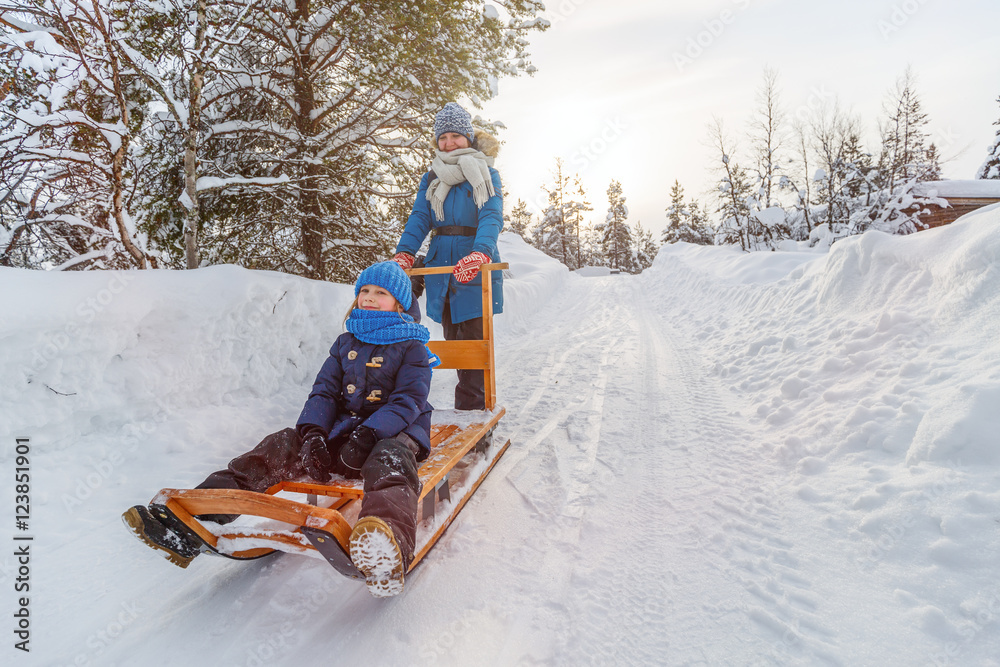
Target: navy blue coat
column 459, row 209
column 383, row 387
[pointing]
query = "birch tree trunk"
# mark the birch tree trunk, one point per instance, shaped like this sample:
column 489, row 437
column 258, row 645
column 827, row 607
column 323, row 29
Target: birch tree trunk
column 192, row 211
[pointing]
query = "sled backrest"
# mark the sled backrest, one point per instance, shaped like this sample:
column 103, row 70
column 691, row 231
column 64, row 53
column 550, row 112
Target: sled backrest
column 470, row 354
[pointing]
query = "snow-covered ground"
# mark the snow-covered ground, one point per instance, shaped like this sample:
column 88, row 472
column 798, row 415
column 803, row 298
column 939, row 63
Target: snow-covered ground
column 785, row 458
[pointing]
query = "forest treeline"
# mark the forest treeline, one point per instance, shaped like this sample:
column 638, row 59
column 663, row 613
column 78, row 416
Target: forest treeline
column 286, row 136
column 805, row 176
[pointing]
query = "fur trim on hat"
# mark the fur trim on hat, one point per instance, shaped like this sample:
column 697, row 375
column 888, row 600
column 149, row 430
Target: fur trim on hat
column 485, row 143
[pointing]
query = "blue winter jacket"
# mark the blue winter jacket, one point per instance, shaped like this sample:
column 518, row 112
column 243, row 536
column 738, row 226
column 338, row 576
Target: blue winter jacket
column 459, row 209
column 383, row 387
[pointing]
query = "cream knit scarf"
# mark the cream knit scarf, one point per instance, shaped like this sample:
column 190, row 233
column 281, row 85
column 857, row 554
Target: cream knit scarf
column 463, row 164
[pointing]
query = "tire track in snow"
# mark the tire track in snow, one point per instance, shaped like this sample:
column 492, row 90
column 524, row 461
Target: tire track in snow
column 652, row 456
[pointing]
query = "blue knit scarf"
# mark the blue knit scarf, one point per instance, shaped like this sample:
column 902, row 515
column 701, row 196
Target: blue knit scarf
column 381, row 327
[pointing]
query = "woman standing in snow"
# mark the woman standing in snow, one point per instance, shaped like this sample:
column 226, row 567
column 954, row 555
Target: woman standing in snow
column 459, row 203
column 366, row 417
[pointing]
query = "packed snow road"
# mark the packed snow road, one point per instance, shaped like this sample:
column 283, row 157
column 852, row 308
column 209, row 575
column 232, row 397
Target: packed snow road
column 632, row 493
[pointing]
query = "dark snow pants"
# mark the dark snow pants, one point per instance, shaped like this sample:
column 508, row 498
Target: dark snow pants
column 391, row 483
column 470, row 392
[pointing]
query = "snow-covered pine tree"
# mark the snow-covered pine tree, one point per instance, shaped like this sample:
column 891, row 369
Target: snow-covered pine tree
column 836, row 141
column 904, row 135
column 902, row 163
column 616, row 237
column 519, row 220
column 576, row 206
column 991, row 166
column 932, row 172
column 332, row 107
column 685, row 222
column 700, row 223
column 557, row 233
column 312, row 133
column 645, row 248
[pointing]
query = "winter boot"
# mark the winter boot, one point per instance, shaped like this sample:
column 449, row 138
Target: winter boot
column 376, row 554
column 176, row 547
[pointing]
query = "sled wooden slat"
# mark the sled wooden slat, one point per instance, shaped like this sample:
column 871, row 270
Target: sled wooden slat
column 284, row 541
column 429, row 544
column 180, row 511
column 232, row 501
column 439, row 270
column 443, row 458
column 348, row 491
column 465, row 354
column 449, row 443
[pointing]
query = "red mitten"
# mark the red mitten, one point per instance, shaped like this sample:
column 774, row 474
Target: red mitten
column 468, row 267
column 405, row 260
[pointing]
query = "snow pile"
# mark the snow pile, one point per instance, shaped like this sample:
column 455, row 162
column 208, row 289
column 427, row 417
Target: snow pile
column 774, row 458
column 872, row 374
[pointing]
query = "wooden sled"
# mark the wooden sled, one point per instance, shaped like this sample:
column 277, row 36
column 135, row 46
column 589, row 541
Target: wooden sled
column 316, row 519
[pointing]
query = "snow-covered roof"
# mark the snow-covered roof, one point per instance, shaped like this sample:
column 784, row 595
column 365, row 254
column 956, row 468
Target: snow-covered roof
column 986, row 188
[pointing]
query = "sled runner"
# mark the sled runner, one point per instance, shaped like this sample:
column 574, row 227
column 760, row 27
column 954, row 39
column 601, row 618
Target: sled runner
column 316, row 519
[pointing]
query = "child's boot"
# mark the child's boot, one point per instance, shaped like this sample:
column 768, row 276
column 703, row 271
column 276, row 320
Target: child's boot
column 376, row 554
column 176, row 547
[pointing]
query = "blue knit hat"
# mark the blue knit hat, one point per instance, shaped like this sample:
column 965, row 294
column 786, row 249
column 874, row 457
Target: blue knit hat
column 389, row 276
column 453, row 118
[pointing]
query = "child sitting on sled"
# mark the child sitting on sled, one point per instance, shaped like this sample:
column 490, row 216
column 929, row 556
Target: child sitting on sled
column 366, row 417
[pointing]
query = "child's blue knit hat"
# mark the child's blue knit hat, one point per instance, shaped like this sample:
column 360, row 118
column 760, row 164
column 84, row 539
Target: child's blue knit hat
column 389, row 276
column 453, row 118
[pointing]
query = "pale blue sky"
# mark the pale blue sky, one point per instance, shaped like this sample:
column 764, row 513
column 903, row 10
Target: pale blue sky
column 625, row 88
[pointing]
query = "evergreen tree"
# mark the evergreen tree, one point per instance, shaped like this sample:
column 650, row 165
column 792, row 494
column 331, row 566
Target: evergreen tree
column 903, row 162
column 616, row 237
column 333, row 136
column 645, row 248
column 293, row 134
column 991, row 166
column 685, row 222
column 903, row 134
column 519, row 220
column 558, row 231
column 575, row 208
column 933, row 165
column 700, row 225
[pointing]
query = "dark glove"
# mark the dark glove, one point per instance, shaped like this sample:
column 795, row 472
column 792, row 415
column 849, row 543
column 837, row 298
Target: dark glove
column 315, row 455
column 417, row 282
column 355, row 451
